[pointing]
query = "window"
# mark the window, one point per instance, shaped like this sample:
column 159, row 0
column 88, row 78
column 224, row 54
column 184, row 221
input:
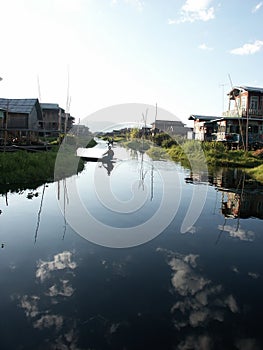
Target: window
column 253, row 129
column 253, row 102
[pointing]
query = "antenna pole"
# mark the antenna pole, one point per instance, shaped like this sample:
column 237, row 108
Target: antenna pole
column 223, row 95
column 38, row 86
column 240, row 124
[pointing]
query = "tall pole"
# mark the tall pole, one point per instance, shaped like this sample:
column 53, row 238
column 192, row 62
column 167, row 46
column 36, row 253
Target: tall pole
column 239, row 117
column 3, row 112
column 38, row 87
column 223, row 95
column 247, row 133
column 6, row 122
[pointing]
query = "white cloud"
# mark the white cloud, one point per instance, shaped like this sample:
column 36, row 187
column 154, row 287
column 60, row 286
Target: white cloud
column 231, row 303
column 48, row 321
column 248, row 49
column 38, row 309
column 238, row 233
column 198, row 317
column 184, row 280
column 64, row 290
column 201, row 300
column 195, row 5
column 253, row 275
column 30, row 305
column 195, row 10
column 235, row 269
column 205, row 47
column 191, row 259
column 61, row 261
column 257, row 7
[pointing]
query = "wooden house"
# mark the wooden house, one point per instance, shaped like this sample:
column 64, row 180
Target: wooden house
column 20, row 120
column 171, row 127
column 204, row 127
column 2, row 116
column 246, row 102
column 55, row 119
column 245, row 114
column 240, row 126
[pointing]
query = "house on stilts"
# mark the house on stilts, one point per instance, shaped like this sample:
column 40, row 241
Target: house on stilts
column 241, row 126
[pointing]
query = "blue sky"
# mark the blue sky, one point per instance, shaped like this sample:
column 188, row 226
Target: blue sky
column 174, row 53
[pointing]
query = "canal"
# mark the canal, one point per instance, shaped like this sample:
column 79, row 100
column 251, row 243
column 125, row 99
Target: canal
column 135, row 254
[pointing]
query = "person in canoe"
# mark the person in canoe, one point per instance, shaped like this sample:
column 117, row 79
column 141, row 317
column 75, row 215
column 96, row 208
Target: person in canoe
column 108, row 155
column 107, row 160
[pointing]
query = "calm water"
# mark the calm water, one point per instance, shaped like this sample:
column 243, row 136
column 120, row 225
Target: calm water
column 201, row 289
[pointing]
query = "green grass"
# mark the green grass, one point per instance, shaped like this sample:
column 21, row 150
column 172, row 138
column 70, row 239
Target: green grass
column 23, row 168
column 214, row 154
column 256, row 173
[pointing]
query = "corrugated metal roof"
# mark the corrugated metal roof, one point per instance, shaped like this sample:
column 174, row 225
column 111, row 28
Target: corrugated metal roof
column 202, row 117
column 49, row 106
column 248, row 88
column 163, row 121
column 18, row 105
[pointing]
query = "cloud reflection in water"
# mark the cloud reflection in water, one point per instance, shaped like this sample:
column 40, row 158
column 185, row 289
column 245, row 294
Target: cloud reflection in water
column 39, row 309
column 199, row 300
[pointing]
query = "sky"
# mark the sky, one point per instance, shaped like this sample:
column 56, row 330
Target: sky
column 88, row 55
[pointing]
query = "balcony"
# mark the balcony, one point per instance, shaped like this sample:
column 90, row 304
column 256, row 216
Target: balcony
column 251, row 113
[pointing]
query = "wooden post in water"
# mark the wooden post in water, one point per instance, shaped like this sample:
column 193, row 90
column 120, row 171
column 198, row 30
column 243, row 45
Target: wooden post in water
column 6, row 122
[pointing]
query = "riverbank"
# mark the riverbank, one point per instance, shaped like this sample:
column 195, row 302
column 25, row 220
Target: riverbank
column 213, row 154
column 22, row 169
column 216, row 155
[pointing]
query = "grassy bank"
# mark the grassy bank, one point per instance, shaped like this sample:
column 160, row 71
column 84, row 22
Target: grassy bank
column 215, row 154
column 192, row 152
column 21, row 168
column 256, row 173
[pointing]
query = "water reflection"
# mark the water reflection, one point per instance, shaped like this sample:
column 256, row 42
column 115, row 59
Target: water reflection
column 108, row 165
column 241, row 197
column 43, row 310
column 39, row 211
column 197, row 290
column 201, row 300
